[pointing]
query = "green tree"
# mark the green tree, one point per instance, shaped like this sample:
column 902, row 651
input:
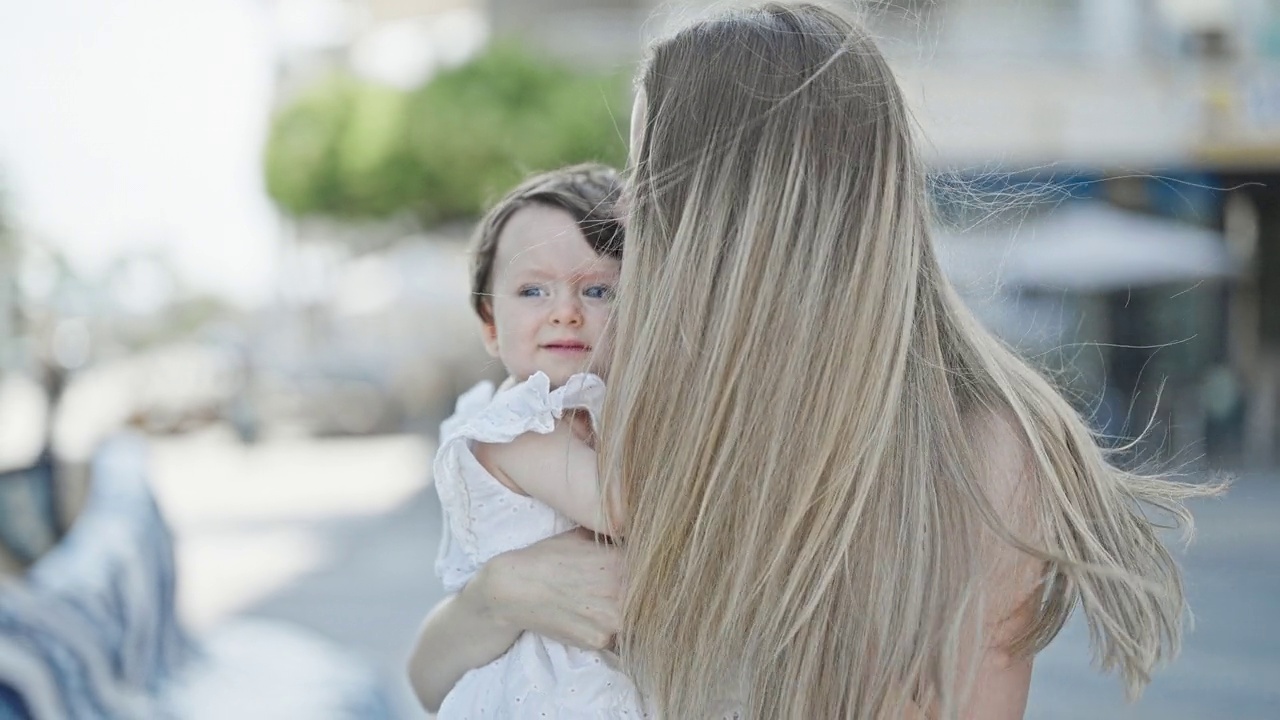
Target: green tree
column 338, row 151
column 347, row 149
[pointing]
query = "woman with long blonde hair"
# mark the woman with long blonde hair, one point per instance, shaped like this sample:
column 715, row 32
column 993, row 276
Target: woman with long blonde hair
column 845, row 498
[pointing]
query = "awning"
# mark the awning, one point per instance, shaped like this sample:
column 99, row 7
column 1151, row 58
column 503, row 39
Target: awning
column 1085, row 247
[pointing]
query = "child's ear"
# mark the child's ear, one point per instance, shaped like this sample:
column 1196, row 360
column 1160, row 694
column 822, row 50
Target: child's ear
column 489, row 333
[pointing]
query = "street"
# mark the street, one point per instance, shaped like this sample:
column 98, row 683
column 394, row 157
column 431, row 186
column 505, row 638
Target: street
column 340, row 536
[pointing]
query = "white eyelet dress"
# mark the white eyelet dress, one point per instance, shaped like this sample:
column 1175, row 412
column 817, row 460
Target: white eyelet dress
column 537, row 678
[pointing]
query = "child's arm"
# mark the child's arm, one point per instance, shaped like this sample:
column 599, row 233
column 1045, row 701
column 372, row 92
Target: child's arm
column 557, row 468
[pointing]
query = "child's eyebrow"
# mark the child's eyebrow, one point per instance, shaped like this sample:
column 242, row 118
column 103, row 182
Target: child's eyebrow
column 520, row 265
column 600, row 266
column 592, row 275
column 595, row 274
column 595, row 269
column 532, row 271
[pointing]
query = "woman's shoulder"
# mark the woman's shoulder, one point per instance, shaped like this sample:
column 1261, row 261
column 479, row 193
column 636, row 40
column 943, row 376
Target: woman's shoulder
column 1003, row 455
column 1008, row 482
column 1001, row 443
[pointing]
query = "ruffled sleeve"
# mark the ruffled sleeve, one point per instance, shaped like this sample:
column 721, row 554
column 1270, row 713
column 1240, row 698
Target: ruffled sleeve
column 580, row 392
column 531, row 406
column 485, row 417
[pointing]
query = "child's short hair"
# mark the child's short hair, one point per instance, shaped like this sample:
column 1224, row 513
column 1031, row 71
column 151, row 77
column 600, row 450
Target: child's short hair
column 588, row 192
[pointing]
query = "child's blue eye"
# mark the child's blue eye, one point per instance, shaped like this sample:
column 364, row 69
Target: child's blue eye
column 598, row 292
column 530, row 291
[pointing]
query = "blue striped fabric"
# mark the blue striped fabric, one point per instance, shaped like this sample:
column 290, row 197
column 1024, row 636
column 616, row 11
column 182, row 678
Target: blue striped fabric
column 91, row 632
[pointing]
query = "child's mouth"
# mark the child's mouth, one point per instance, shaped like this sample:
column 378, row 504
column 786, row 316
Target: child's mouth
column 567, row 347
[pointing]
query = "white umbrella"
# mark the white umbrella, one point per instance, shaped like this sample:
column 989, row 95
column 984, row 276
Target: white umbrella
column 1085, row 247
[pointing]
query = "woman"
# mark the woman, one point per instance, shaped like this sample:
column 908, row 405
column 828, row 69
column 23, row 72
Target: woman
column 845, row 497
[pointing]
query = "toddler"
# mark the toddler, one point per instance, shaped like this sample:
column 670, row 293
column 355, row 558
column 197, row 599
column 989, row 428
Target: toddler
column 516, row 464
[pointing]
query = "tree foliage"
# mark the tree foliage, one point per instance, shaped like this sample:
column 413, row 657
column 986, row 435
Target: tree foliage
column 348, row 149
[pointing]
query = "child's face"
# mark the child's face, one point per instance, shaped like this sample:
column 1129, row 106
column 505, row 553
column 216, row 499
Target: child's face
column 551, row 297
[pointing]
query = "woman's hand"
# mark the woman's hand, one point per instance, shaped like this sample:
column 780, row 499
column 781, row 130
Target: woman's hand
column 567, row 588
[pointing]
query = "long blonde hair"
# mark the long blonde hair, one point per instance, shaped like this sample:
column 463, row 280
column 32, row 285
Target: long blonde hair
column 796, row 391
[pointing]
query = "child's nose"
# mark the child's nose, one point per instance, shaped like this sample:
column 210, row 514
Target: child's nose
column 567, row 311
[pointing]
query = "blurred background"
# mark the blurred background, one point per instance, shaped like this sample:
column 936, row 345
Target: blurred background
column 238, row 227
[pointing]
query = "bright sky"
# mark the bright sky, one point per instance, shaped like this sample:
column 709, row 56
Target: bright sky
column 137, row 124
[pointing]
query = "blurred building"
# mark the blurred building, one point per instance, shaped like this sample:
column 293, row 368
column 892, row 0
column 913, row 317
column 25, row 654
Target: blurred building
column 400, row 42
column 1169, row 107
column 1162, row 107
column 603, row 32
column 1165, row 108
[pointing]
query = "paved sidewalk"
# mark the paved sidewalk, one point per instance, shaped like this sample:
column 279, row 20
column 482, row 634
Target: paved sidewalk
column 1230, row 664
column 340, row 536
column 335, row 535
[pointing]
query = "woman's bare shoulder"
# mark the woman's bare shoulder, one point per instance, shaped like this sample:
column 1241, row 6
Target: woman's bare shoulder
column 1008, row 478
column 1004, row 456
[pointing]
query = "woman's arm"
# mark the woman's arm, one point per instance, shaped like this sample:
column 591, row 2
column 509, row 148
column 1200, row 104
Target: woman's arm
column 567, row 588
column 557, row 468
column 1014, row 581
column 1002, row 681
column 459, row 634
